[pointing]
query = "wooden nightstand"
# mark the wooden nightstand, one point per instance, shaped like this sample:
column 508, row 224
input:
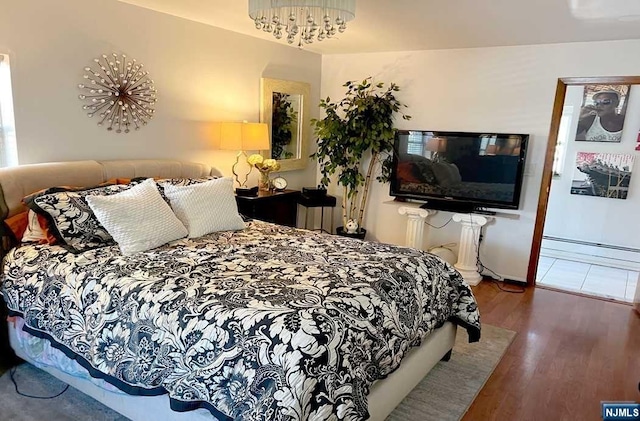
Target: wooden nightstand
column 279, row 207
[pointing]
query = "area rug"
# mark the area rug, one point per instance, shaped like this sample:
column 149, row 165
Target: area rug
column 450, row 387
column 445, row 394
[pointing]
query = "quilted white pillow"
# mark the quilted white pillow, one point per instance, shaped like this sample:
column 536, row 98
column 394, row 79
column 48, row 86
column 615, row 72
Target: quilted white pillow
column 138, row 219
column 206, row 207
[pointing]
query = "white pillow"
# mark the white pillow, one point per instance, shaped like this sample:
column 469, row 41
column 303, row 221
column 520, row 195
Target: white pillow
column 138, row 219
column 206, row 207
column 33, row 233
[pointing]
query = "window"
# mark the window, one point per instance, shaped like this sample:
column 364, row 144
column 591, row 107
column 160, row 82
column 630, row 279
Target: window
column 415, row 145
column 563, row 140
column 487, row 145
column 8, row 148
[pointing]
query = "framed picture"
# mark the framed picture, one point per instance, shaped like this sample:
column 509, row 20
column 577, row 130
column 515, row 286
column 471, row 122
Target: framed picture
column 602, row 174
column 602, row 114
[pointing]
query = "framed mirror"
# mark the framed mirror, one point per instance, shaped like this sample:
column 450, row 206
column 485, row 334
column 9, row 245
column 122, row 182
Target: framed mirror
column 284, row 106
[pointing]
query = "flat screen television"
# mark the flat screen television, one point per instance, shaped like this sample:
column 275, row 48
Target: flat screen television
column 459, row 171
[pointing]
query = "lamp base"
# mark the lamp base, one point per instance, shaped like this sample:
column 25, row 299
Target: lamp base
column 247, row 191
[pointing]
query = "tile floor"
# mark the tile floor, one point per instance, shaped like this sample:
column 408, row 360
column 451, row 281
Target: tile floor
column 586, row 278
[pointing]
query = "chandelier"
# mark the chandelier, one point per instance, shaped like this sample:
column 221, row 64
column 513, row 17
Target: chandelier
column 306, row 20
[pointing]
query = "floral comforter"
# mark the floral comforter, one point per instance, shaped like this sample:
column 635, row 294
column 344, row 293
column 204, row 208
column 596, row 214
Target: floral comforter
column 270, row 323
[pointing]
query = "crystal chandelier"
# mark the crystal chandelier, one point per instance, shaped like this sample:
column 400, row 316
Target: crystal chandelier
column 305, row 19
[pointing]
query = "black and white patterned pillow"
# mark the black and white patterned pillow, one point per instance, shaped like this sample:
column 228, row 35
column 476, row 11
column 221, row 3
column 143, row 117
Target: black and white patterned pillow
column 184, row 181
column 72, row 221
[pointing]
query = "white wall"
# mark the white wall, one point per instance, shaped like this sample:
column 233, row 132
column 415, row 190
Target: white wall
column 503, row 89
column 596, row 219
column 203, row 74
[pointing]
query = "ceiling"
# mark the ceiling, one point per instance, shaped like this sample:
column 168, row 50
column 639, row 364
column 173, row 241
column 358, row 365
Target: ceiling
column 402, row 25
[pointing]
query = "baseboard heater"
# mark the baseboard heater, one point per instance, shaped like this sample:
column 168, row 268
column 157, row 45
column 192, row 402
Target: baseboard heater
column 588, row 243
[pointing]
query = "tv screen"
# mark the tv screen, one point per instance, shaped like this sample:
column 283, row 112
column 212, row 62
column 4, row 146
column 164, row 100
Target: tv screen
column 479, row 169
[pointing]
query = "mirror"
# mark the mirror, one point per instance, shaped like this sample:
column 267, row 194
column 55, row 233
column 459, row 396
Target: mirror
column 284, row 106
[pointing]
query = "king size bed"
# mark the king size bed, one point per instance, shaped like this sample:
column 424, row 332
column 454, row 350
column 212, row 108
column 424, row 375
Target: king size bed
column 261, row 323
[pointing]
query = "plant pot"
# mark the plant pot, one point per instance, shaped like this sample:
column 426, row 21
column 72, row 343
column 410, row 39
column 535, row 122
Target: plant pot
column 359, row 235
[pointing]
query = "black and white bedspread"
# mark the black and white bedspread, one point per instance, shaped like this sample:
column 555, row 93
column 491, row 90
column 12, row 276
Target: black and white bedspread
column 270, row 323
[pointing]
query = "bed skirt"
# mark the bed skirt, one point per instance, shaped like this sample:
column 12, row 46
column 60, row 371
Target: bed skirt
column 385, row 394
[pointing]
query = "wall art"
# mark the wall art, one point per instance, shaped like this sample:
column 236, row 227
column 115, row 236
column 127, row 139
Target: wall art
column 602, row 174
column 118, row 91
column 604, row 108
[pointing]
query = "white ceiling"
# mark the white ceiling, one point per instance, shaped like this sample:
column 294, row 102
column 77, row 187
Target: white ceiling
column 402, row 25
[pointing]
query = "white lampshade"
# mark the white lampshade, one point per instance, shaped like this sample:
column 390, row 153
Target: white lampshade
column 235, row 136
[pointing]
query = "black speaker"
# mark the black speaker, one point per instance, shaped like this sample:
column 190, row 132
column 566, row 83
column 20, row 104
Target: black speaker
column 313, row 192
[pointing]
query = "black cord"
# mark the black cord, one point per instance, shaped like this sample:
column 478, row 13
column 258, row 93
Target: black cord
column 441, row 226
column 15, row 385
column 498, row 283
column 496, row 279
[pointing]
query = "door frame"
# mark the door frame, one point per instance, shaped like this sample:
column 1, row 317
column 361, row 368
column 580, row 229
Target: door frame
column 547, row 172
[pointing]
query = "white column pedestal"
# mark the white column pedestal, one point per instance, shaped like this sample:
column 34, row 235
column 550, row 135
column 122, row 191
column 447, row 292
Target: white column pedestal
column 469, row 243
column 415, row 225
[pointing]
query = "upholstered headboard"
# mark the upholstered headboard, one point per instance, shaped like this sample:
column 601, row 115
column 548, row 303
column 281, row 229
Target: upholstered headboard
column 17, row 182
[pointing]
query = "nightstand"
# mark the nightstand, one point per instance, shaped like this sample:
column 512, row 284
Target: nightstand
column 279, row 207
column 321, row 202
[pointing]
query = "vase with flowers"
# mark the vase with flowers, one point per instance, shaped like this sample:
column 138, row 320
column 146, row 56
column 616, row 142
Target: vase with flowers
column 265, row 166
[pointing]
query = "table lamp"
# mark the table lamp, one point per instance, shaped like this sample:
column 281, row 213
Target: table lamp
column 241, row 137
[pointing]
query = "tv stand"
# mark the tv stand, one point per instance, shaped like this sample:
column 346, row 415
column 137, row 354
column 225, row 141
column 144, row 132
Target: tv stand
column 467, row 263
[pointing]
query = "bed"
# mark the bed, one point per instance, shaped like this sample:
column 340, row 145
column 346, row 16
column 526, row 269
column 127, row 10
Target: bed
column 265, row 323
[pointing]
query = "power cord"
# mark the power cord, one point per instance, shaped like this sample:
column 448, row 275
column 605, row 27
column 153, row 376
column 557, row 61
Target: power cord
column 441, row 226
column 496, row 279
column 446, row 246
column 12, row 371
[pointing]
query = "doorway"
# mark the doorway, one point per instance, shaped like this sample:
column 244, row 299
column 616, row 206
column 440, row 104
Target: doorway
column 583, row 239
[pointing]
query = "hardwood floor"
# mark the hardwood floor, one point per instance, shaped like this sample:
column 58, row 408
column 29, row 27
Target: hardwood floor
column 569, row 354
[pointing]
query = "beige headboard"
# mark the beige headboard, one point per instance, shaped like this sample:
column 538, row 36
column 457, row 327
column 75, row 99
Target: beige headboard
column 17, row 182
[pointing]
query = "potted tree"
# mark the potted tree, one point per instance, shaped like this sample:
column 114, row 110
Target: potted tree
column 354, row 138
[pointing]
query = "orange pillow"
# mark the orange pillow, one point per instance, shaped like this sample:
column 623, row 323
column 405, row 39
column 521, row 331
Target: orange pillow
column 18, row 224
column 44, row 224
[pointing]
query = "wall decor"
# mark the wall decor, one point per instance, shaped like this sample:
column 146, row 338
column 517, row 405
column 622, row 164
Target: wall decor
column 602, row 174
column 602, row 114
column 119, row 92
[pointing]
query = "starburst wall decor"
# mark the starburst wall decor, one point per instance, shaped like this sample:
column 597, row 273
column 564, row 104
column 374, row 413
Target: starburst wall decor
column 119, row 92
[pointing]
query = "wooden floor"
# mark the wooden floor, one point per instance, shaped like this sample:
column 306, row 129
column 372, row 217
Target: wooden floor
column 569, row 354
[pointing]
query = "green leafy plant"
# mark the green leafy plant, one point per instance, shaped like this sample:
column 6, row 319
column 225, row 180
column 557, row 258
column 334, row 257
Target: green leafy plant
column 283, row 116
column 357, row 134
